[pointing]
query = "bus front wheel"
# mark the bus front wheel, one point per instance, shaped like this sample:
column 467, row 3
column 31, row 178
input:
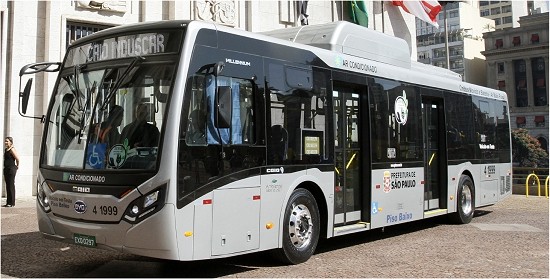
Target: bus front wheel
column 301, row 228
column 465, row 201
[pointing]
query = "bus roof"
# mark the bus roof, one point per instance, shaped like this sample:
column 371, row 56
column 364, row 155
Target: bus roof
column 352, row 39
column 336, row 37
column 340, row 36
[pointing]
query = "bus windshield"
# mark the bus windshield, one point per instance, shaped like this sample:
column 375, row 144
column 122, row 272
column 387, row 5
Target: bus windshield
column 108, row 116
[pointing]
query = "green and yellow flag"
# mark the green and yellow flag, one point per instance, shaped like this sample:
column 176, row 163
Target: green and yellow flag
column 358, row 11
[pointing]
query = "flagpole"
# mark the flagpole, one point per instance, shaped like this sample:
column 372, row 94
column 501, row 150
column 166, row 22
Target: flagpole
column 382, row 4
column 446, row 37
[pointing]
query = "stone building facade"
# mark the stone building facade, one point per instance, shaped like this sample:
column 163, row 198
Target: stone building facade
column 517, row 62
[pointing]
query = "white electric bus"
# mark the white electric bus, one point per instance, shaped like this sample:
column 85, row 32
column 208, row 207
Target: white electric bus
column 227, row 142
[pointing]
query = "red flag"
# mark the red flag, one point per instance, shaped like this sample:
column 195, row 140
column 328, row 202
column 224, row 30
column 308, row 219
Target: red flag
column 425, row 10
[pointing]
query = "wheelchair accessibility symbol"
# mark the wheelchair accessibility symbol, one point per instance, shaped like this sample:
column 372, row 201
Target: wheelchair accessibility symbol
column 96, row 155
column 374, row 208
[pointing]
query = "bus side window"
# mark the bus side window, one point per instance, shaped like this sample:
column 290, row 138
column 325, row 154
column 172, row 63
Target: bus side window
column 201, row 128
column 241, row 113
column 196, row 120
column 278, row 144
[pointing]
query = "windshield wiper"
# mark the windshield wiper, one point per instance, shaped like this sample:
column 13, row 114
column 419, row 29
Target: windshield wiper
column 119, row 81
column 82, row 120
column 77, row 71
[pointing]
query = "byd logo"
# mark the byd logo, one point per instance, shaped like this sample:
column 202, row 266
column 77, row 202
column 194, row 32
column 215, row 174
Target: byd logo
column 80, row 207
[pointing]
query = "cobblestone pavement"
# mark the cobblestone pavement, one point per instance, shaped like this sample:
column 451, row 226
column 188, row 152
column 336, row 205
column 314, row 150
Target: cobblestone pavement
column 507, row 240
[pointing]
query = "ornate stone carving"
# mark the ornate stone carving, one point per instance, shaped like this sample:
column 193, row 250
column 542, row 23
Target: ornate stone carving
column 112, row 6
column 217, row 11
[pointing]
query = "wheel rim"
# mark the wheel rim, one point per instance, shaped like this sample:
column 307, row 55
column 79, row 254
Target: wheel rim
column 300, row 226
column 466, row 200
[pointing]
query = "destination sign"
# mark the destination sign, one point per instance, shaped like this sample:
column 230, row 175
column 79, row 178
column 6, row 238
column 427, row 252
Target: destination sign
column 126, row 46
column 482, row 92
column 142, row 44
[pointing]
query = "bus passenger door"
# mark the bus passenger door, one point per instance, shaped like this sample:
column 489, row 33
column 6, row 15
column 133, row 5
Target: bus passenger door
column 433, row 127
column 347, row 148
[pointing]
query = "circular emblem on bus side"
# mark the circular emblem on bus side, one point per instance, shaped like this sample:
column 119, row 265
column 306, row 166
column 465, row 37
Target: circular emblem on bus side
column 400, row 108
column 80, row 207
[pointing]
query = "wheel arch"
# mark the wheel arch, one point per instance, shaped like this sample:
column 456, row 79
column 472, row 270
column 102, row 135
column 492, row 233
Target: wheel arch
column 317, row 193
column 469, row 174
column 465, row 200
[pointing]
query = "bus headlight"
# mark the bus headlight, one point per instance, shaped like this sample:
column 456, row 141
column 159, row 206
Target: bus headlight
column 145, row 205
column 151, row 199
column 135, row 210
column 42, row 198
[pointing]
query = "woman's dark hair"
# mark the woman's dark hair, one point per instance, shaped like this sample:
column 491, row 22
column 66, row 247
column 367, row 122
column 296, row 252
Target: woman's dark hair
column 10, row 139
column 115, row 113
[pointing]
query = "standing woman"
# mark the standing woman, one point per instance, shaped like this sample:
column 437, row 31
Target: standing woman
column 11, row 164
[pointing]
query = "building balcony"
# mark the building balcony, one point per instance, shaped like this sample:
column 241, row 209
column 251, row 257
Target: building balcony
column 425, row 60
column 439, row 58
column 459, row 69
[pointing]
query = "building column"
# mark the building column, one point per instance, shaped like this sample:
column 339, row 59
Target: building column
column 491, row 75
column 3, row 43
column 530, row 87
column 25, row 131
column 178, row 10
column 546, row 76
column 510, row 82
column 150, row 11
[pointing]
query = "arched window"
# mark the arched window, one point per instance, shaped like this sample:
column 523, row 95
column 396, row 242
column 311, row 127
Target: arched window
column 543, row 143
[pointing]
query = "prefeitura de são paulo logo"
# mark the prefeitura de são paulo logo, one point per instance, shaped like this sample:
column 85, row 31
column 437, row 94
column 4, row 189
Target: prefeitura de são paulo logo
column 401, row 110
column 387, row 182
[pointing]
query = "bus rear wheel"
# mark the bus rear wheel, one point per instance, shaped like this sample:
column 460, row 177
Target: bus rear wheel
column 465, row 201
column 301, row 228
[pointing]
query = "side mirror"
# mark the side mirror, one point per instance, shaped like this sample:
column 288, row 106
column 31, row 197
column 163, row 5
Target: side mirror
column 29, row 70
column 39, row 67
column 24, row 96
column 223, row 107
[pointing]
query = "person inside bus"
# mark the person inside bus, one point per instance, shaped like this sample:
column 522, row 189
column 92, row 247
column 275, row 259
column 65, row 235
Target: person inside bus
column 107, row 132
column 71, row 116
column 196, row 126
column 139, row 132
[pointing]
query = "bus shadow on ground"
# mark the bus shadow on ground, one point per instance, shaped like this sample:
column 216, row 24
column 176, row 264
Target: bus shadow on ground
column 377, row 234
column 345, row 241
column 29, row 255
column 479, row 213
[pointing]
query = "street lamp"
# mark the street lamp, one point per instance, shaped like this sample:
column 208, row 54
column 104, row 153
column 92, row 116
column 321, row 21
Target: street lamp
column 446, row 35
column 444, row 4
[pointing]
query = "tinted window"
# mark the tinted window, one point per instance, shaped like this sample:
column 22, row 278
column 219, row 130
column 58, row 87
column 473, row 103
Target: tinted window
column 502, row 131
column 297, row 132
column 395, row 126
column 460, row 132
column 492, row 129
column 201, row 128
column 485, row 123
column 201, row 157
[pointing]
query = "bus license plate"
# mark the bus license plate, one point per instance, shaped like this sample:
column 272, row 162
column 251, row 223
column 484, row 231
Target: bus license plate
column 84, row 240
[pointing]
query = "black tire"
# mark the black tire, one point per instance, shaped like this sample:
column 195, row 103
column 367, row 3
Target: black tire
column 465, row 201
column 301, row 228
